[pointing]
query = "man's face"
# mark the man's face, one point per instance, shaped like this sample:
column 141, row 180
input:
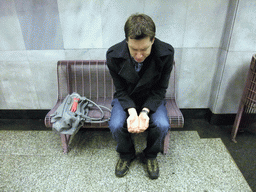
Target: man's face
column 140, row 49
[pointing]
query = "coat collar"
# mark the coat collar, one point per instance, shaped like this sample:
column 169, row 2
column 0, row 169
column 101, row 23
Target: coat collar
column 152, row 70
column 120, row 50
column 128, row 72
column 150, row 73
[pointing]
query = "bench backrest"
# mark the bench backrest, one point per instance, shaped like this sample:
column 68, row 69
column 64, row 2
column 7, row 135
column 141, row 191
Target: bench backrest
column 89, row 78
column 92, row 79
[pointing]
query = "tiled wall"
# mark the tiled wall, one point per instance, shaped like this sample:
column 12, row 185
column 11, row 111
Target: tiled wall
column 214, row 43
column 238, row 47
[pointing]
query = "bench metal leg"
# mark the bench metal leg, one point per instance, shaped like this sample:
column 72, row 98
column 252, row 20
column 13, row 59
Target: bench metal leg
column 166, row 143
column 237, row 122
column 65, row 141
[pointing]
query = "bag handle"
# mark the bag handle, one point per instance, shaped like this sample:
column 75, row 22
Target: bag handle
column 88, row 119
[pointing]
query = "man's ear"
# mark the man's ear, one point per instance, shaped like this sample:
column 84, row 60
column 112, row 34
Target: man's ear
column 153, row 40
column 127, row 40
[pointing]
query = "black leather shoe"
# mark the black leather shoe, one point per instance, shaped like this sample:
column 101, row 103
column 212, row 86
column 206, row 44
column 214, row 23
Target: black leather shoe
column 122, row 167
column 153, row 168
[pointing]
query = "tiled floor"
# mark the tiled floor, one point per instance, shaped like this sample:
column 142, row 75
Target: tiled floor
column 33, row 161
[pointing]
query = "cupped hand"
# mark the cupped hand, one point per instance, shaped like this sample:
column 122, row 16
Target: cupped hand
column 143, row 122
column 133, row 124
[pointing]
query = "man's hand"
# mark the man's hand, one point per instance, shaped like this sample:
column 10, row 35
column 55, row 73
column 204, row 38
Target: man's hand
column 143, row 121
column 133, row 121
column 133, row 124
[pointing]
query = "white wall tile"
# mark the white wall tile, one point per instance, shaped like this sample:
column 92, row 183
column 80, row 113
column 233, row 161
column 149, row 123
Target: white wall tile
column 18, row 86
column 169, row 18
column 13, row 55
column 86, row 54
column 195, row 79
column 205, row 23
column 44, row 77
column 3, row 104
column 10, row 33
column 40, row 25
column 114, row 15
column 81, row 23
column 232, row 84
column 229, row 24
column 243, row 37
column 46, row 55
column 216, row 81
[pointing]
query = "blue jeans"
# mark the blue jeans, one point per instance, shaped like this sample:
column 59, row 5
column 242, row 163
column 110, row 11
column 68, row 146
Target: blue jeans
column 158, row 128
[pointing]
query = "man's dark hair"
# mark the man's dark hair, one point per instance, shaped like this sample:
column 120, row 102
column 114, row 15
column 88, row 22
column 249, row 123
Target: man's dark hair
column 139, row 26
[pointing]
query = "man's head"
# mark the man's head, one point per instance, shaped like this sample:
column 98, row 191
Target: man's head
column 140, row 35
column 139, row 26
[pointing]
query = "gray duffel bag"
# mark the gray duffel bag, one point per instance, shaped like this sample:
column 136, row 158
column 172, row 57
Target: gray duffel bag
column 73, row 113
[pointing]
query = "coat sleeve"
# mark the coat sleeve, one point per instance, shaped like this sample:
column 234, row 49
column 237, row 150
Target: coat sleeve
column 120, row 84
column 157, row 93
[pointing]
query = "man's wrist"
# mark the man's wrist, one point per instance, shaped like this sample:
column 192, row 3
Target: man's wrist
column 145, row 110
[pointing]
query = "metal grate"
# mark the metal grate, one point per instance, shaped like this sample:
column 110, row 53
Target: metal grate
column 246, row 114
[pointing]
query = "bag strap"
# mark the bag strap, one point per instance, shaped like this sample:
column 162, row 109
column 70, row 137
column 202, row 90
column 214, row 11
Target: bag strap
column 84, row 104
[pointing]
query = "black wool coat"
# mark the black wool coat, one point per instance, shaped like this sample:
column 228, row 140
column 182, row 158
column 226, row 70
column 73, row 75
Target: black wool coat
column 146, row 88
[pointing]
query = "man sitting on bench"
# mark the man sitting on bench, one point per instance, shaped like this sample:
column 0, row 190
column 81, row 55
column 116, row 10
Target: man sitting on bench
column 140, row 67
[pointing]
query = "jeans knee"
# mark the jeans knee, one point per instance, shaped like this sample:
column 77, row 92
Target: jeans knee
column 161, row 120
column 115, row 126
column 162, row 126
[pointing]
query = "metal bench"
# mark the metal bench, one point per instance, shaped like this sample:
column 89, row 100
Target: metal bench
column 91, row 78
